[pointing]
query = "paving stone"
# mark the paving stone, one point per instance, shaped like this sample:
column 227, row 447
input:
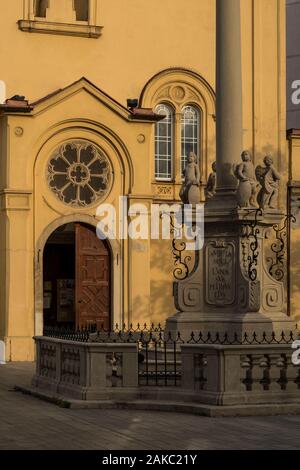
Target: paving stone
column 29, row 423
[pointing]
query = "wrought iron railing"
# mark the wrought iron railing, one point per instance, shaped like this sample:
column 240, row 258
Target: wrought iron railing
column 159, row 354
column 69, row 334
column 84, row 333
column 156, row 334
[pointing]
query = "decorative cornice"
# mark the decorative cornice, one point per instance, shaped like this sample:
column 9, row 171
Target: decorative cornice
column 290, row 133
column 132, row 114
column 15, row 191
column 142, row 114
column 16, row 105
column 15, row 199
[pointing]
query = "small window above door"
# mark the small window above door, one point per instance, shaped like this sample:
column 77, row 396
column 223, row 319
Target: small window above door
column 63, row 10
column 67, row 17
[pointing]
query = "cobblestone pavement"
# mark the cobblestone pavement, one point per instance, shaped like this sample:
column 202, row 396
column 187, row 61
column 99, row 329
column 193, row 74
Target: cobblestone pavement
column 29, row 423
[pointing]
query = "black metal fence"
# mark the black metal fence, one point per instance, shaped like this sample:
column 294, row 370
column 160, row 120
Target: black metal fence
column 118, row 334
column 159, row 351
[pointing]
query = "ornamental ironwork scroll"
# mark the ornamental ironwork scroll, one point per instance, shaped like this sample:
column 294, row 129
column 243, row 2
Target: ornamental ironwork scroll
column 252, row 235
column 181, row 260
column 279, row 247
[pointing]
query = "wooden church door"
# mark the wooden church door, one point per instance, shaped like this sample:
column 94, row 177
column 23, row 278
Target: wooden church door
column 92, row 279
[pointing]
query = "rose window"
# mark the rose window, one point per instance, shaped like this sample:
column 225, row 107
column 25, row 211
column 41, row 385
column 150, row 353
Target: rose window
column 79, row 173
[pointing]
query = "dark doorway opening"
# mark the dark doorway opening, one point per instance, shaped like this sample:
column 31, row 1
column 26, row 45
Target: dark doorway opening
column 77, row 278
column 59, row 278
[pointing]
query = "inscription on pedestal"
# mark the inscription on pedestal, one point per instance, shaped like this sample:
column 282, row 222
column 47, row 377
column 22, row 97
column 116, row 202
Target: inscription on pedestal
column 220, row 273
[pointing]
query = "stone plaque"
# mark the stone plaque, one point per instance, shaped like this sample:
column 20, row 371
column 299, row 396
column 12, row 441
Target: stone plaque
column 220, row 273
column 164, row 190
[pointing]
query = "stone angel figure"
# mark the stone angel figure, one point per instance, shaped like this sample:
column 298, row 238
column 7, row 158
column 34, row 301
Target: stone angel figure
column 190, row 191
column 247, row 189
column 269, row 178
column 210, row 189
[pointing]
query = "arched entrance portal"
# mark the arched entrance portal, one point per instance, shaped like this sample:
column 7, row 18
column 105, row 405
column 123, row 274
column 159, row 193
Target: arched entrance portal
column 77, row 278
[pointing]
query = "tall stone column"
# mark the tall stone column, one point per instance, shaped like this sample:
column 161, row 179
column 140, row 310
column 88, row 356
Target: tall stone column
column 229, row 99
column 232, row 289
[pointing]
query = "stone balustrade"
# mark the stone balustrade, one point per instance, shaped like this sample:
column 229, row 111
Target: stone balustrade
column 240, row 374
column 207, row 374
column 86, row 371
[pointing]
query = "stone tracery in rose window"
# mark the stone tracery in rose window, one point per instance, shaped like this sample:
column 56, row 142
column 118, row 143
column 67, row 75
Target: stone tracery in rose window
column 79, row 173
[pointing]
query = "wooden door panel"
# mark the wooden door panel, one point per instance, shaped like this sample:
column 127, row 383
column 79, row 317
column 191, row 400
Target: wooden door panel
column 92, row 279
column 95, row 269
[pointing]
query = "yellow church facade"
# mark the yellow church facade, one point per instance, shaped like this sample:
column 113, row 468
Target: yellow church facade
column 74, row 142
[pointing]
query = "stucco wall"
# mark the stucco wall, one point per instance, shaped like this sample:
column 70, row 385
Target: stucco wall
column 139, row 39
column 293, row 60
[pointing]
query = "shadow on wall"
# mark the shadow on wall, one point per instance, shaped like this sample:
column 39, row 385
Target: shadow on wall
column 295, row 272
column 162, row 259
column 141, row 312
column 163, row 263
column 162, row 302
column 162, row 267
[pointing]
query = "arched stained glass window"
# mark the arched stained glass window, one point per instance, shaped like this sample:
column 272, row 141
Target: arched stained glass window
column 164, row 144
column 190, row 122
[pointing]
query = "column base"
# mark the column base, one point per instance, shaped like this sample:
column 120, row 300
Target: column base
column 223, row 203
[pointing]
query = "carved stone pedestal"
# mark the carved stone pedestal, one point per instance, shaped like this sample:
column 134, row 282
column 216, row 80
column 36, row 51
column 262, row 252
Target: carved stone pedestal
column 237, row 286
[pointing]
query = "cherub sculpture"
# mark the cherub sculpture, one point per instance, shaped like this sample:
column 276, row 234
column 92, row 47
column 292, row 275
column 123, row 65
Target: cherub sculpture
column 247, row 189
column 268, row 178
column 210, row 190
column 190, row 193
